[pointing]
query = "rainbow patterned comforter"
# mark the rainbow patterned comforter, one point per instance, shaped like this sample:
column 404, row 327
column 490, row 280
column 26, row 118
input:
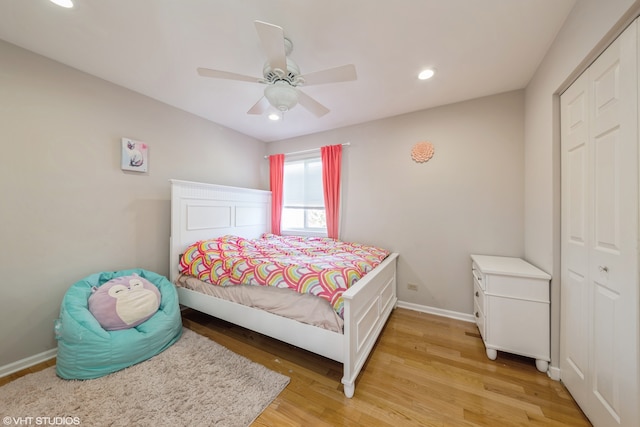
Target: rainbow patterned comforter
column 317, row 265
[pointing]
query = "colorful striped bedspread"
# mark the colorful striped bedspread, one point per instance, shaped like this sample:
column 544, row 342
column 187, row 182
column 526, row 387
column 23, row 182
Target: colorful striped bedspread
column 317, row 265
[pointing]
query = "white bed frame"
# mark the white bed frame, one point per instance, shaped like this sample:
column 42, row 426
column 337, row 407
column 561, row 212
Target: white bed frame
column 203, row 211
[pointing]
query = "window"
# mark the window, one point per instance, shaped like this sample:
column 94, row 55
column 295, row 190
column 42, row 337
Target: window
column 303, row 209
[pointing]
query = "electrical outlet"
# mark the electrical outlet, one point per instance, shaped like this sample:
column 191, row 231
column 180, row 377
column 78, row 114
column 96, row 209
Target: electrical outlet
column 412, row 286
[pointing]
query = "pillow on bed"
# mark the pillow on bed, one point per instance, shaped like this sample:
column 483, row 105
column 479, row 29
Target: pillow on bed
column 124, row 302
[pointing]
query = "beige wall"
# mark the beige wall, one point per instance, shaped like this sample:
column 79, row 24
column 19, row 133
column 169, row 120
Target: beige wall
column 467, row 199
column 67, row 210
column 583, row 35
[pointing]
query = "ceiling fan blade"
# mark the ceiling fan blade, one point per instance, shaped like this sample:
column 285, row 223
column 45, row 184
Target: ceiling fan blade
column 272, row 38
column 311, row 104
column 344, row 73
column 217, row 74
column 260, row 107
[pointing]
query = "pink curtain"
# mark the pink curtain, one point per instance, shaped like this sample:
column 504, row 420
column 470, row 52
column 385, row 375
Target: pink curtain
column 331, row 165
column 276, row 172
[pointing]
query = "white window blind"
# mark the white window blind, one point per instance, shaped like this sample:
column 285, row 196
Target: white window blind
column 303, row 200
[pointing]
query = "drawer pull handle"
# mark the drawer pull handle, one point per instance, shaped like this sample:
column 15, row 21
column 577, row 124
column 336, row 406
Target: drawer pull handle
column 477, row 315
column 477, row 294
column 603, row 269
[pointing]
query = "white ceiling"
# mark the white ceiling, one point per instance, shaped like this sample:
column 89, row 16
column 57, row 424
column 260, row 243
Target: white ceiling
column 478, row 48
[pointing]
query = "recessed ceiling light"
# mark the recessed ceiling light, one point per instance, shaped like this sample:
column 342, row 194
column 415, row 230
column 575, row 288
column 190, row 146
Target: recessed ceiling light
column 274, row 116
column 64, row 3
column 426, row 74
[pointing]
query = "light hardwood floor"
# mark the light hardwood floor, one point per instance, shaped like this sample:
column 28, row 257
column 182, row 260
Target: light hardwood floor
column 424, row 371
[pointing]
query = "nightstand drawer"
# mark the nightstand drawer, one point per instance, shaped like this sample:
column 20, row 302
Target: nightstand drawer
column 479, row 316
column 477, row 275
column 532, row 289
column 478, row 295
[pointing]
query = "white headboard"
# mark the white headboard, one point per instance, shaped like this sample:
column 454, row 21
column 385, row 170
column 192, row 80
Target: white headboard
column 203, row 211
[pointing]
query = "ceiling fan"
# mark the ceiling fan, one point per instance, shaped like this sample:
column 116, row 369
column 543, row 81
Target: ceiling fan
column 282, row 75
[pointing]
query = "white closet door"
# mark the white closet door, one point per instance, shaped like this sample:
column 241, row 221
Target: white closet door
column 574, row 292
column 600, row 298
column 613, row 260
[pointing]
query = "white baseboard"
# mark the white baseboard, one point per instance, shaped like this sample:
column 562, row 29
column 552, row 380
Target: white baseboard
column 554, row 373
column 27, row 362
column 437, row 311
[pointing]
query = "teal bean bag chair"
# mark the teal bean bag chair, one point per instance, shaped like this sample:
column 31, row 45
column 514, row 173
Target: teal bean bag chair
column 86, row 350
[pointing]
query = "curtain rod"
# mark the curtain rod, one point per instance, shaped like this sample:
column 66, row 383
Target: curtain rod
column 307, row 151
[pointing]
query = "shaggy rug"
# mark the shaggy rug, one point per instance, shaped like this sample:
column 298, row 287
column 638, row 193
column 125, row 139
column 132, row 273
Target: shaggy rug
column 195, row 382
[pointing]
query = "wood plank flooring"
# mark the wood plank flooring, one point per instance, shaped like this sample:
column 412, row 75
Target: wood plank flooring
column 425, row 370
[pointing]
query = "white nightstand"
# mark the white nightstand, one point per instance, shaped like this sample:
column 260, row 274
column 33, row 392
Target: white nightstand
column 511, row 307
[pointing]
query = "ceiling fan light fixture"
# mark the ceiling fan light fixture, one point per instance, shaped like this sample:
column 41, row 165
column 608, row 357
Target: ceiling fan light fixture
column 281, row 75
column 281, row 95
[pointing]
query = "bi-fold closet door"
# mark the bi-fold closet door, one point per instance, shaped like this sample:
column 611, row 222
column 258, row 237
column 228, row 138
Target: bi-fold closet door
column 600, row 333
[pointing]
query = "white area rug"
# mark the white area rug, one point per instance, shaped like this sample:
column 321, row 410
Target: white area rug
column 195, row 382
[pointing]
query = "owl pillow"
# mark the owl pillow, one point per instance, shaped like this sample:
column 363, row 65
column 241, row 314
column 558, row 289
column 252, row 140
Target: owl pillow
column 124, row 302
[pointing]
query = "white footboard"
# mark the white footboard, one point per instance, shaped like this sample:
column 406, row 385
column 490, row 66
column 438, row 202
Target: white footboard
column 367, row 306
